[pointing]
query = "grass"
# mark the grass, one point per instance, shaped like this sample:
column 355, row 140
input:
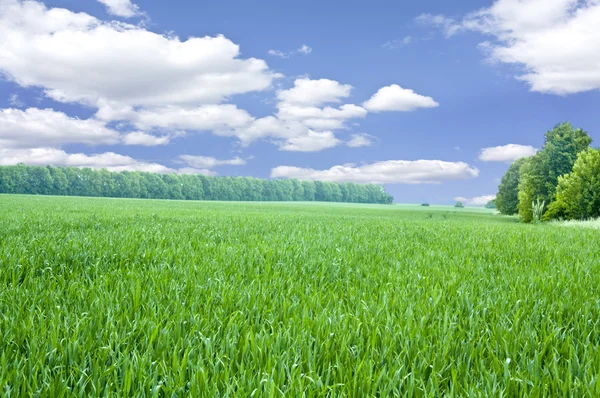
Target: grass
column 109, row 297
column 594, row 224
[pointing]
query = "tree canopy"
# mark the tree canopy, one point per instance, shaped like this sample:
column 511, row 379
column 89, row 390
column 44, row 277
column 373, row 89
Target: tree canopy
column 539, row 174
column 578, row 193
column 48, row 180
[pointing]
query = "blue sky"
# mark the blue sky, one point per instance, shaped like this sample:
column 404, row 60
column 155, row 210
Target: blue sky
column 433, row 99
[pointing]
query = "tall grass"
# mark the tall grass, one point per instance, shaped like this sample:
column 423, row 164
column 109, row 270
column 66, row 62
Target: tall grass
column 538, row 211
column 149, row 298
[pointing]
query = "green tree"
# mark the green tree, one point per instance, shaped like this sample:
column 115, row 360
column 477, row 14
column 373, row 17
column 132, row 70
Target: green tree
column 507, row 199
column 539, row 179
column 578, row 193
column 459, row 205
column 309, row 190
column 491, row 204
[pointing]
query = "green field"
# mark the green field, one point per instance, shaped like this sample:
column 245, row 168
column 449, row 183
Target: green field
column 117, row 297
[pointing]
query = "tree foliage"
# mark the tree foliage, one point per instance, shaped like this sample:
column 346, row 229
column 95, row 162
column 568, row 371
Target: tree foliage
column 491, row 204
column 39, row 180
column 578, row 193
column 539, row 174
column 459, row 205
column 507, row 199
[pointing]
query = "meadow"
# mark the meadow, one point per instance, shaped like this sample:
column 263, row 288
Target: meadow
column 125, row 297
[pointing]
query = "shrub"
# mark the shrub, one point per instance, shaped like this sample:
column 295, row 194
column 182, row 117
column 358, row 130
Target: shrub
column 425, row 204
column 459, row 205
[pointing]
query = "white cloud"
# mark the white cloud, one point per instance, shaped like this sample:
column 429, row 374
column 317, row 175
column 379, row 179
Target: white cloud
column 279, row 54
column 108, row 160
column 448, row 25
column 15, row 101
column 476, row 201
column 385, row 172
column 75, row 57
column 145, row 139
column 304, row 50
column 300, row 124
column 396, row 98
column 215, row 117
column 394, row 44
column 320, row 118
column 307, row 92
column 208, row 162
column 46, row 127
column 359, row 140
column 121, row 8
column 506, row 153
column 556, row 42
column 311, row 142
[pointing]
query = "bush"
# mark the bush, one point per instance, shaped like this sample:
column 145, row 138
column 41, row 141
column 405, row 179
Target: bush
column 425, row 204
column 459, row 205
column 491, row 204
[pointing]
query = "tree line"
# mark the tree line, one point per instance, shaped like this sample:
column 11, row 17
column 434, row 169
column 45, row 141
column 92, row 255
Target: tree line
column 562, row 181
column 73, row 181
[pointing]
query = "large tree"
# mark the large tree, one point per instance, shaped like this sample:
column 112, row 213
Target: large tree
column 507, row 198
column 539, row 175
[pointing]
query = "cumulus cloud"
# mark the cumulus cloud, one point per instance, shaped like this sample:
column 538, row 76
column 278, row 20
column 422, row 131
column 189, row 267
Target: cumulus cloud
column 302, row 123
column 121, row 8
column 145, row 139
column 556, row 42
column 58, row 50
column 304, row 50
column 311, row 142
column 506, row 153
column 214, row 117
column 208, row 162
column 385, row 172
column 46, row 127
column 396, row 98
column 476, row 201
column 310, row 92
column 359, row 140
column 108, row 160
column 158, row 85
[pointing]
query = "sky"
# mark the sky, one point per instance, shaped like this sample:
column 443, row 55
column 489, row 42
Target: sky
column 433, row 99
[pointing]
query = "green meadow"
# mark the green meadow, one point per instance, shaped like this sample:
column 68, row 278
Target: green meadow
column 125, row 297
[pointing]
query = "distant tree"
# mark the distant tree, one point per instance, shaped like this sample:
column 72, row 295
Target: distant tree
column 491, row 204
column 309, row 190
column 298, row 190
column 507, row 199
column 539, row 175
column 23, row 179
column 40, row 180
column 425, row 204
column 578, row 193
column 459, row 205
